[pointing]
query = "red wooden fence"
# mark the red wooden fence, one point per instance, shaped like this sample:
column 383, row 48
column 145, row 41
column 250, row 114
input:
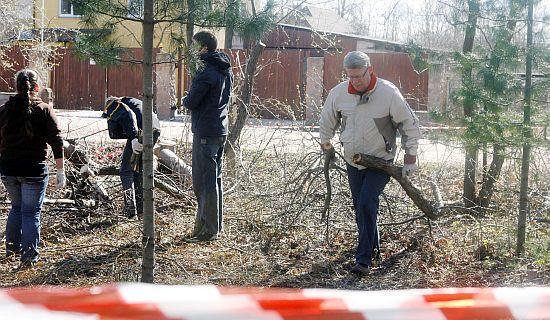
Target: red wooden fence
column 17, row 61
column 79, row 84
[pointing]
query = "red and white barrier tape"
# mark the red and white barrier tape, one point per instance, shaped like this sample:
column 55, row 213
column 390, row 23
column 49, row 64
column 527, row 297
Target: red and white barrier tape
column 143, row 301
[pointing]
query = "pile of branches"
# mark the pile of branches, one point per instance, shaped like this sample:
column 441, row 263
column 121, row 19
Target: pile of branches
column 92, row 183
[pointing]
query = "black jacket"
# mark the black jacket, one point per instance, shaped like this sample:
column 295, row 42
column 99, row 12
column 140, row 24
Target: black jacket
column 24, row 137
column 208, row 98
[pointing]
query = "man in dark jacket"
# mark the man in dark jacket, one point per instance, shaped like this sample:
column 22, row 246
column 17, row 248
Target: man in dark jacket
column 208, row 100
column 124, row 121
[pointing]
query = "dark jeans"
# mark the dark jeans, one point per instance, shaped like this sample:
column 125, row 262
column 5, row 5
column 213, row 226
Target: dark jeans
column 366, row 187
column 207, row 184
column 23, row 225
column 132, row 180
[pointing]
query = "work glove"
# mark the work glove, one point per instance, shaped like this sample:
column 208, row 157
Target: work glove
column 61, row 180
column 137, row 147
column 409, row 169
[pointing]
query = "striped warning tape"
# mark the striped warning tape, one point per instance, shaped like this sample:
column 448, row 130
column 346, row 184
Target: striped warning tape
column 144, row 301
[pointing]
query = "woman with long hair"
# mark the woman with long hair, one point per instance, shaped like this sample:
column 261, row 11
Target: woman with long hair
column 27, row 126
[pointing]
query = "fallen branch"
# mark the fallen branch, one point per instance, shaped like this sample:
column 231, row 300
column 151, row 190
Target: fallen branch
column 328, row 195
column 431, row 209
column 161, row 185
column 172, row 191
column 391, row 224
column 48, row 201
column 76, row 156
column 108, row 171
column 328, row 158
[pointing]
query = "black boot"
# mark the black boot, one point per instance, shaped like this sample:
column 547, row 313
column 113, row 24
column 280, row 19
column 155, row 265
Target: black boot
column 129, row 203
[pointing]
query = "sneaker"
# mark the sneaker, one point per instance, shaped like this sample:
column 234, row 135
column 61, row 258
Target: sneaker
column 360, row 269
column 201, row 238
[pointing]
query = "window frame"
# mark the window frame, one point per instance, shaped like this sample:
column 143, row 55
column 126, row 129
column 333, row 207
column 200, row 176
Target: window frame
column 67, row 15
column 132, row 15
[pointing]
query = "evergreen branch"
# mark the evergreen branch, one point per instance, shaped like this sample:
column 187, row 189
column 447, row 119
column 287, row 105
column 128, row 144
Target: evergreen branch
column 480, row 16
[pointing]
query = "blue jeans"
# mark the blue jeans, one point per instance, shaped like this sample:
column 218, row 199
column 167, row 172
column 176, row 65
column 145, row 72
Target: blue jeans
column 23, row 225
column 207, row 184
column 132, row 181
column 366, row 187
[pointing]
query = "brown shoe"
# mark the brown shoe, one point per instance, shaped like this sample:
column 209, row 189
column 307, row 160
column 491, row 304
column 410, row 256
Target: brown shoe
column 360, row 269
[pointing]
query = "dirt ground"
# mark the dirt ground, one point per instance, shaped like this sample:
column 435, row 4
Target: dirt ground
column 274, row 234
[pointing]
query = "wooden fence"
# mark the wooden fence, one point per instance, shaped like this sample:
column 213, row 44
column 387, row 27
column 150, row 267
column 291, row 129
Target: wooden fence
column 279, row 89
column 80, row 84
column 16, row 62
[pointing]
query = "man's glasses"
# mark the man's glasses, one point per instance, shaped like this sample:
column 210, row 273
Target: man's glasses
column 358, row 77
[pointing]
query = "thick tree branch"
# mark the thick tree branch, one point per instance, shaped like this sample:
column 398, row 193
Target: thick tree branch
column 430, row 209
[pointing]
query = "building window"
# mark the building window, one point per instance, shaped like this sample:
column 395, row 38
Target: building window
column 68, row 9
column 135, row 8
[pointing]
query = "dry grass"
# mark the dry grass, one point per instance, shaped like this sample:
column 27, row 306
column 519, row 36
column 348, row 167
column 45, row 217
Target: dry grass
column 274, row 236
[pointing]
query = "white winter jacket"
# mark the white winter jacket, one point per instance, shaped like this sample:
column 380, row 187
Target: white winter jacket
column 368, row 123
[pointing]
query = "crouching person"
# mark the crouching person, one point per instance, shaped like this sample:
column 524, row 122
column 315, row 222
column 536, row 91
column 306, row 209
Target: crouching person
column 124, row 121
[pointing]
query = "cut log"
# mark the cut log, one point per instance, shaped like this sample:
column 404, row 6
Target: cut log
column 170, row 160
column 431, row 209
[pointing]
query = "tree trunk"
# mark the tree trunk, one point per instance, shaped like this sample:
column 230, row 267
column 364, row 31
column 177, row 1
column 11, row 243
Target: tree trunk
column 229, row 32
column 490, row 178
column 525, row 159
column 148, row 239
column 190, row 26
column 491, row 174
column 230, row 25
column 470, row 160
column 470, row 171
column 233, row 149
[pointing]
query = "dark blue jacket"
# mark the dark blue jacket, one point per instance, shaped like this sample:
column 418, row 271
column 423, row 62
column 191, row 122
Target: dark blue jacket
column 125, row 118
column 208, row 98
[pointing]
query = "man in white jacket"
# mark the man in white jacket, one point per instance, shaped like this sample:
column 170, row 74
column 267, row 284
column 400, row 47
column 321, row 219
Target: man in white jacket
column 369, row 111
